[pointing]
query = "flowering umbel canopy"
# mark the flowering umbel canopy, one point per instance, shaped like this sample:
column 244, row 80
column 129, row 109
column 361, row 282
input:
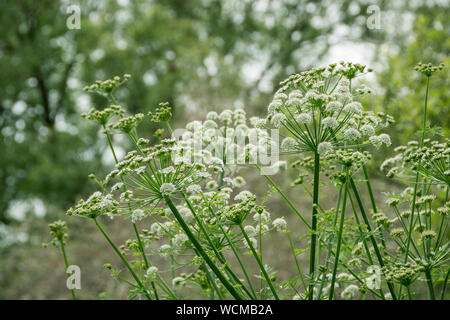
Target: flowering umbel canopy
column 319, row 112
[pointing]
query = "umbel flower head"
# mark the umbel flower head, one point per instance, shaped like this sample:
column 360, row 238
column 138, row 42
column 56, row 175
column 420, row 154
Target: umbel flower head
column 128, row 124
column 432, row 161
column 107, row 87
column 318, row 110
column 156, row 172
column 428, row 69
column 236, row 213
column 58, row 232
column 404, row 274
column 224, row 142
column 102, row 116
column 97, row 204
column 350, row 159
column 162, row 114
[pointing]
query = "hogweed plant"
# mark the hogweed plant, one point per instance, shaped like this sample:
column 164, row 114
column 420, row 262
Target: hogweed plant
column 189, row 190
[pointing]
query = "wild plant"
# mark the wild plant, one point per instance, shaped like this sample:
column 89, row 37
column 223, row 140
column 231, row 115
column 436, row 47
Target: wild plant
column 189, row 189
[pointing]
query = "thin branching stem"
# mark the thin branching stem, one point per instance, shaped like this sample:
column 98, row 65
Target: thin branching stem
column 231, row 289
column 130, row 269
column 66, row 262
column 258, row 260
column 372, row 238
column 314, row 225
column 339, row 239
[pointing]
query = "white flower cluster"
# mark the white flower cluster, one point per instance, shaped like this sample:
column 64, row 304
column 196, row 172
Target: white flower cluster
column 431, row 160
column 224, row 140
column 280, row 224
column 151, row 273
column 319, row 111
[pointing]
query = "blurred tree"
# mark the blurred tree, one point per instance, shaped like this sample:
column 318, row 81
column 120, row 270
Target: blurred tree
column 195, row 53
column 42, row 153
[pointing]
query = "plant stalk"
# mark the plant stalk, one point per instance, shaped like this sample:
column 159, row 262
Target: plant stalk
column 138, row 281
column 312, row 257
column 413, row 206
column 66, row 261
column 258, row 260
column 201, row 251
column 341, row 228
column 372, row 238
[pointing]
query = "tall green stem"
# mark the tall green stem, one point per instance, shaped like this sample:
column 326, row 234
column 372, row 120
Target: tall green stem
column 372, row 200
column 258, row 260
column 424, row 123
column 66, row 261
column 201, row 251
column 261, row 258
column 444, row 288
column 408, row 290
column 413, row 206
column 312, row 257
column 372, row 238
column 291, row 244
column 213, row 284
column 286, row 199
column 341, row 228
column 235, row 252
column 330, row 242
column 218, row 254
column 136, row 278
column 430, row 284
column 361, row 231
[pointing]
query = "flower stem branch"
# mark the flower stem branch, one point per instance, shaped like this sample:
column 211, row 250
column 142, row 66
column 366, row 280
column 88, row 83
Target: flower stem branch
column 136, row 278
column 312, row 258
column 66, row 262
column 372, row 238
column 231, row 289
column 258, row 260
column 341, row 228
